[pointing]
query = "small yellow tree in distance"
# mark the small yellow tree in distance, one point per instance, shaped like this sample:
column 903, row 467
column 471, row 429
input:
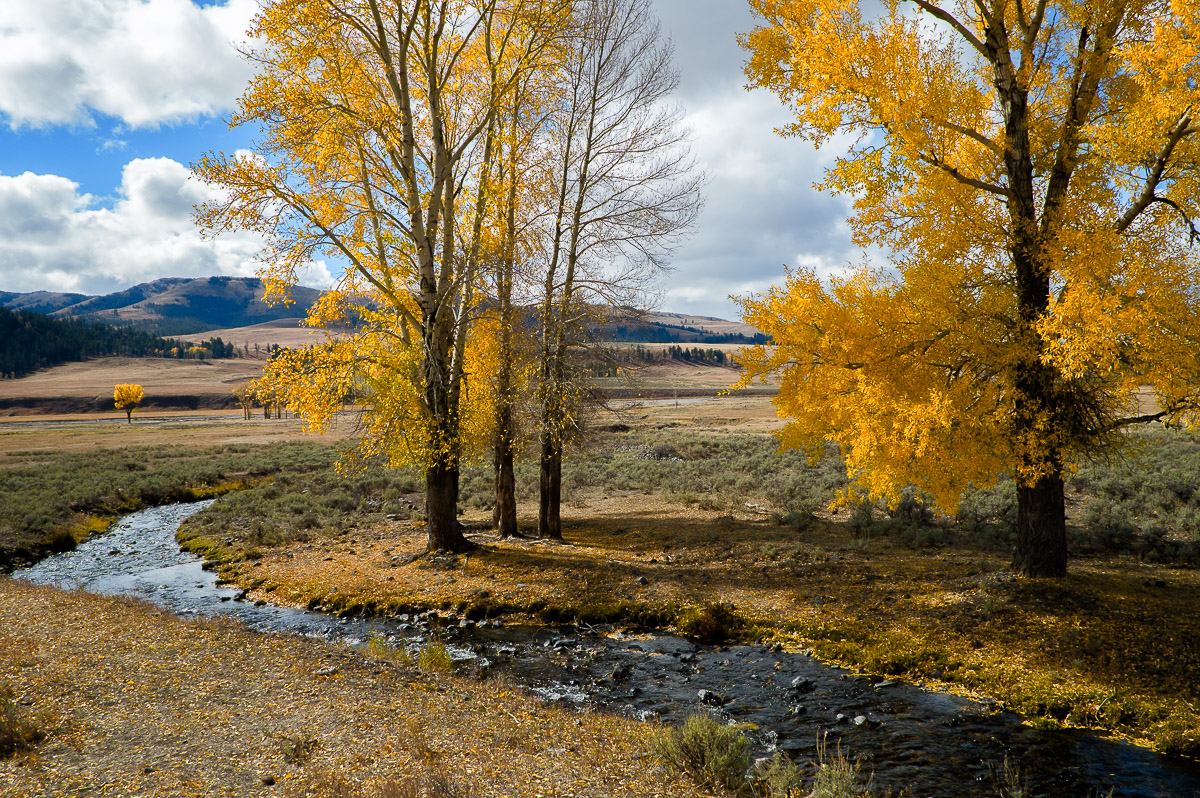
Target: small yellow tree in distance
column 127, row 397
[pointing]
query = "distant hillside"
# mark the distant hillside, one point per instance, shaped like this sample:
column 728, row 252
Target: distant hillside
column 39, row 301
column 170, row 305
column 677, row 328
column 177, row 306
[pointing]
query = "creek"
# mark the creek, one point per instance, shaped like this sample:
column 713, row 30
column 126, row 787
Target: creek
column 935, row 744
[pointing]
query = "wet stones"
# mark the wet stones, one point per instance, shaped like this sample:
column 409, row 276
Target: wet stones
column 803, row 685
column 711, row 698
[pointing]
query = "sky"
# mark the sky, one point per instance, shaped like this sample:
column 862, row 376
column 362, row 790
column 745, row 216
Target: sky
column 104, row 104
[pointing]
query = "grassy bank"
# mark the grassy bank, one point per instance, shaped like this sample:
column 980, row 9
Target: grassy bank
column 135, row 702
column 51, row 501
column 663, row 523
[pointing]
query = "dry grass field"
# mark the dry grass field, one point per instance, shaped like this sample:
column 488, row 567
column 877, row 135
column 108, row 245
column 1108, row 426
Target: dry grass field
column 134, row 702
column 158, row 376
column 179, row 385
column 1113, row 646
column 282, row 332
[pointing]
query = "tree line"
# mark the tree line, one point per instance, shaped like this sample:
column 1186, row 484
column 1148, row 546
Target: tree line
column 30, row 341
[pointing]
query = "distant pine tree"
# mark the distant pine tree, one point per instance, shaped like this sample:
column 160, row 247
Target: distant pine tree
column 30, row 341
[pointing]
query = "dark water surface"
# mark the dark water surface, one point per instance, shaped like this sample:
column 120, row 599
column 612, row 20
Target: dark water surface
column 936, row 744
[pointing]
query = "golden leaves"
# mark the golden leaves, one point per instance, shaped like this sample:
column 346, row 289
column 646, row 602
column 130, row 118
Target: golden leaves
column 125, row 395
column 1035, row 182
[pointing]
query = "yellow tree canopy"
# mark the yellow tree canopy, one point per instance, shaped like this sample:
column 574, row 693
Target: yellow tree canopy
column 377, row 366
column 378, row 119
column 125, row 396
column 1031, row 171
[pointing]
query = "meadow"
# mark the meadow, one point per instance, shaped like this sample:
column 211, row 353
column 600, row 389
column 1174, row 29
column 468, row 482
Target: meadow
column 679, row 516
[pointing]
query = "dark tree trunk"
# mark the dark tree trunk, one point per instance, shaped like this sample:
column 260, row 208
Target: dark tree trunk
column 441, row 510
column 504, row 514
column 1041, row 528
column 550, row 491
column 1041, row 417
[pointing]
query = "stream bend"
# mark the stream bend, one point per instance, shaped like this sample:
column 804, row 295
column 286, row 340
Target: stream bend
column 936, row 744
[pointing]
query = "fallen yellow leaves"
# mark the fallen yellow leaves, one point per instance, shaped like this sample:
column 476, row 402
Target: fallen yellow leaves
column 161, row 707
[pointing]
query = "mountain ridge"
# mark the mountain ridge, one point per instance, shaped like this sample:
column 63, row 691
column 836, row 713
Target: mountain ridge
column 170, row 305
column 187, row 306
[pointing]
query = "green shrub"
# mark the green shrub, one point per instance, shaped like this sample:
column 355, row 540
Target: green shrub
column 434, row 657
column 780, row 779
column 298, row 748
column 712, row 623
column 799, row 520
column 60, row 540
column 17, row 732
column 837, row 776
column 712, row 753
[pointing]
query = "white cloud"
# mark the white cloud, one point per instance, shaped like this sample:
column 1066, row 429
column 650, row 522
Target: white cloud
column 762, row 211
column 53, row 238
column 145, row 62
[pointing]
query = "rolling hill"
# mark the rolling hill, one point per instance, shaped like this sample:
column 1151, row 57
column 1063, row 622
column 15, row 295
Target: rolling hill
column 170, row 305
column 178, row 306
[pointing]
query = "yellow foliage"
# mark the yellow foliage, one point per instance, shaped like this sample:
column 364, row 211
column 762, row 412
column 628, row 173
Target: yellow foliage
column 378, row 150
column 127, row 397
column 1033, row 171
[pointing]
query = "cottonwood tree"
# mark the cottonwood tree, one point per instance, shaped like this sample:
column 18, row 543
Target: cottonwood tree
column 127, row 397
column 1032, row 169
column 623, row 191
column 377, row 119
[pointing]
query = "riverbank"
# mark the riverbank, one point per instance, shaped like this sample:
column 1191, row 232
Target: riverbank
column 1113, row 646
column 680, row 509
column 672, row 508
column 137, row 702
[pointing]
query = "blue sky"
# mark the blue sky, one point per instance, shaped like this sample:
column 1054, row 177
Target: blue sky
column 105, row 103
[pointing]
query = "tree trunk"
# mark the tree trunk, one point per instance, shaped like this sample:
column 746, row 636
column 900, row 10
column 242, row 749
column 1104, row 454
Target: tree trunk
column 504, row 514
column 441, row 510
column 550, row 491
column 1041, row 528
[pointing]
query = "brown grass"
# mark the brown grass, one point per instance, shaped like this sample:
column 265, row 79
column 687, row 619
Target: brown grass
column 197, row 428
column 137, row 702
column 1115, row 645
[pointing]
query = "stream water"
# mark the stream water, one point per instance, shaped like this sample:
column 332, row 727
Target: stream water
column 936, row 744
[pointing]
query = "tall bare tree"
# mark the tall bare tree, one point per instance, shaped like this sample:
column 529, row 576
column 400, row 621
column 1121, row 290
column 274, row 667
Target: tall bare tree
column 624, row 191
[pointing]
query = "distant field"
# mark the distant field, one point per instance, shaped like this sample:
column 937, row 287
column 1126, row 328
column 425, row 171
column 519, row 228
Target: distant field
column 179, row 385
column 88, row 386
column 282, row 332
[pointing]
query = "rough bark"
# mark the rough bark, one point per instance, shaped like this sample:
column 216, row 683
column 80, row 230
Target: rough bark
column 1041, row 528
column 441, row 510
column 504, row 513
column 441, row 401
column 1041, row 535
